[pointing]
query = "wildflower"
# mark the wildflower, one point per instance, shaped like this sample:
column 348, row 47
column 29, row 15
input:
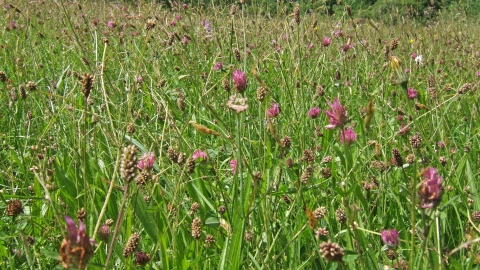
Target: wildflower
column 411, row 41
column 178, row 17
column 441, row 144
column 326, row 41
column 184, row 6
column 338, row 33
column 477, row 73
column 239, row 81
column 390, row 238
column 233, row 165
column 139, row 79
column 199, row 156
column 412, row 93
column 146, row 161
column 314, row 112
column 76, row 249
column 397, row 67
column 142, row 258
column 430, row 189
column 331, row 251
column 310, row 46
column 274, row 111
column 173, row 22
column 413, row 55
column 419, row 59
column 104, row 232
column 217, row 66
column 348, row 136
column 111, row 25
column 278, row 48
column 237, row 104
column 346, row 47
column 208, row 28
column 337, row 115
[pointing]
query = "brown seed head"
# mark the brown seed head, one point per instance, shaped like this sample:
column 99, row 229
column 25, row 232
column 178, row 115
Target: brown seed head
column 128, row 165
column 14, row 208
column 132, row 244
column 87, row 84
column 196, row 228
column 306, row 175
column 331, row 251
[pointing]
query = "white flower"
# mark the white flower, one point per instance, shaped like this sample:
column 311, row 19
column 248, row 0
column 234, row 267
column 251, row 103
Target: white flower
column 419, row 60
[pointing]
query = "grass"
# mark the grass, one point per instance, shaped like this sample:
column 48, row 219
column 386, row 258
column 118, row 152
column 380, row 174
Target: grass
column 84, row 81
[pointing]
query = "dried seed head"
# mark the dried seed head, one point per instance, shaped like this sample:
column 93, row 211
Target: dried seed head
column 87, row 84
column 308, row 156
column 433, row 92
column 233, row 10
column 81, row 214
column 286, row 199
column 476, row 216
column 431, row 81
column 14, row 208
column 289, row 163
column 3, row 76
column 416, row 140
column 322, row 232
column 131, row 128
column 209, row 240
column 393, row 44
column 397, row 158
column 443, row 161
column 306, row 175
column 190, row 165
column 236, row 52
column 31, row 86
column 109, row 222
column 296, row 13
column 249, row 236
column 196, row 228
column 257, row 176
column 261, row 93
column 222, row 209
column 286, row 142
column 410, row 158
column 181, row 158
column 23, row 94
column 464, row 89
column 349, row 10
column 226, row 85
column 181, row 103
column 13, row 94
column 391, row 254
column 142, row 178
column 326, row 172
column 327, row 159
column 132, row 244
column 340, row 215
column 318, row 131
column 150, row 24
column 128, row 165
column 172, row 154
column 331, row 251
column 195, row 207
column 320, row 212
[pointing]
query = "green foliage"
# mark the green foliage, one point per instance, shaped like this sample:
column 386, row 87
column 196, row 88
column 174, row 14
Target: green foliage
column 296, row 185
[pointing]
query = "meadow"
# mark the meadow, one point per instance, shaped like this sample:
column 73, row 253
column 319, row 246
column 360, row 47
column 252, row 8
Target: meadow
column 141, row 136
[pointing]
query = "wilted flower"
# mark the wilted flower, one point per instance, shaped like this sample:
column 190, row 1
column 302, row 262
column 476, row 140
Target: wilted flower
column 348, row 136
column 239, row 81
column 146, row 161
column 217, row 66
column 111, row 25
column 326, row 41
column 237, row 104
column 430, row 189
column 76, row 249
column 273, row 111
column 314, row 112
column 338, row 33
column 412, row 93
column 233, row 165
column 390, row 238
column 199, row 156
column 337, row 115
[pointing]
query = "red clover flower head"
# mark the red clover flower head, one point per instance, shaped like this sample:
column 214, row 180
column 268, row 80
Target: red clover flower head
column 337, row 115
column 111, row 25
column 239, row 81
column 217, row 66
column 430, row 189
column 390, row 238
column 233, row 165
column 76, row 249
column 412, row 93
column 199, row 155
column 314, row 112
column 273, row 111
column 326, row 41
column 146, row 161
column 348, row 136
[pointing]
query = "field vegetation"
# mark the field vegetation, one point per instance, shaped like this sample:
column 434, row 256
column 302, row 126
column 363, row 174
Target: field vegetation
column 189, row 136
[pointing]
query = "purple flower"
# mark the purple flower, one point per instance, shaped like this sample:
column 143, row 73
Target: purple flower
column 111, row 25
column 412, row 93
column 239, row 81
column 273, row 111
column 76, row 240
column 178, row 17
column 314, row 112
column 337, row 115
column 413, row 55
column 348, row 136
column 217, row 66
column 310, row 46
column 430, row 189
column 346, row 47
column 13, row 25
column 390, row 238
column 146, row 161
column 184, row 6
column 477, row 73
column 326, row 41
column 104, row 232
column 233, row 165
column 208, row 28
column 173, row 22
column 441, row 144
column 199, row 155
